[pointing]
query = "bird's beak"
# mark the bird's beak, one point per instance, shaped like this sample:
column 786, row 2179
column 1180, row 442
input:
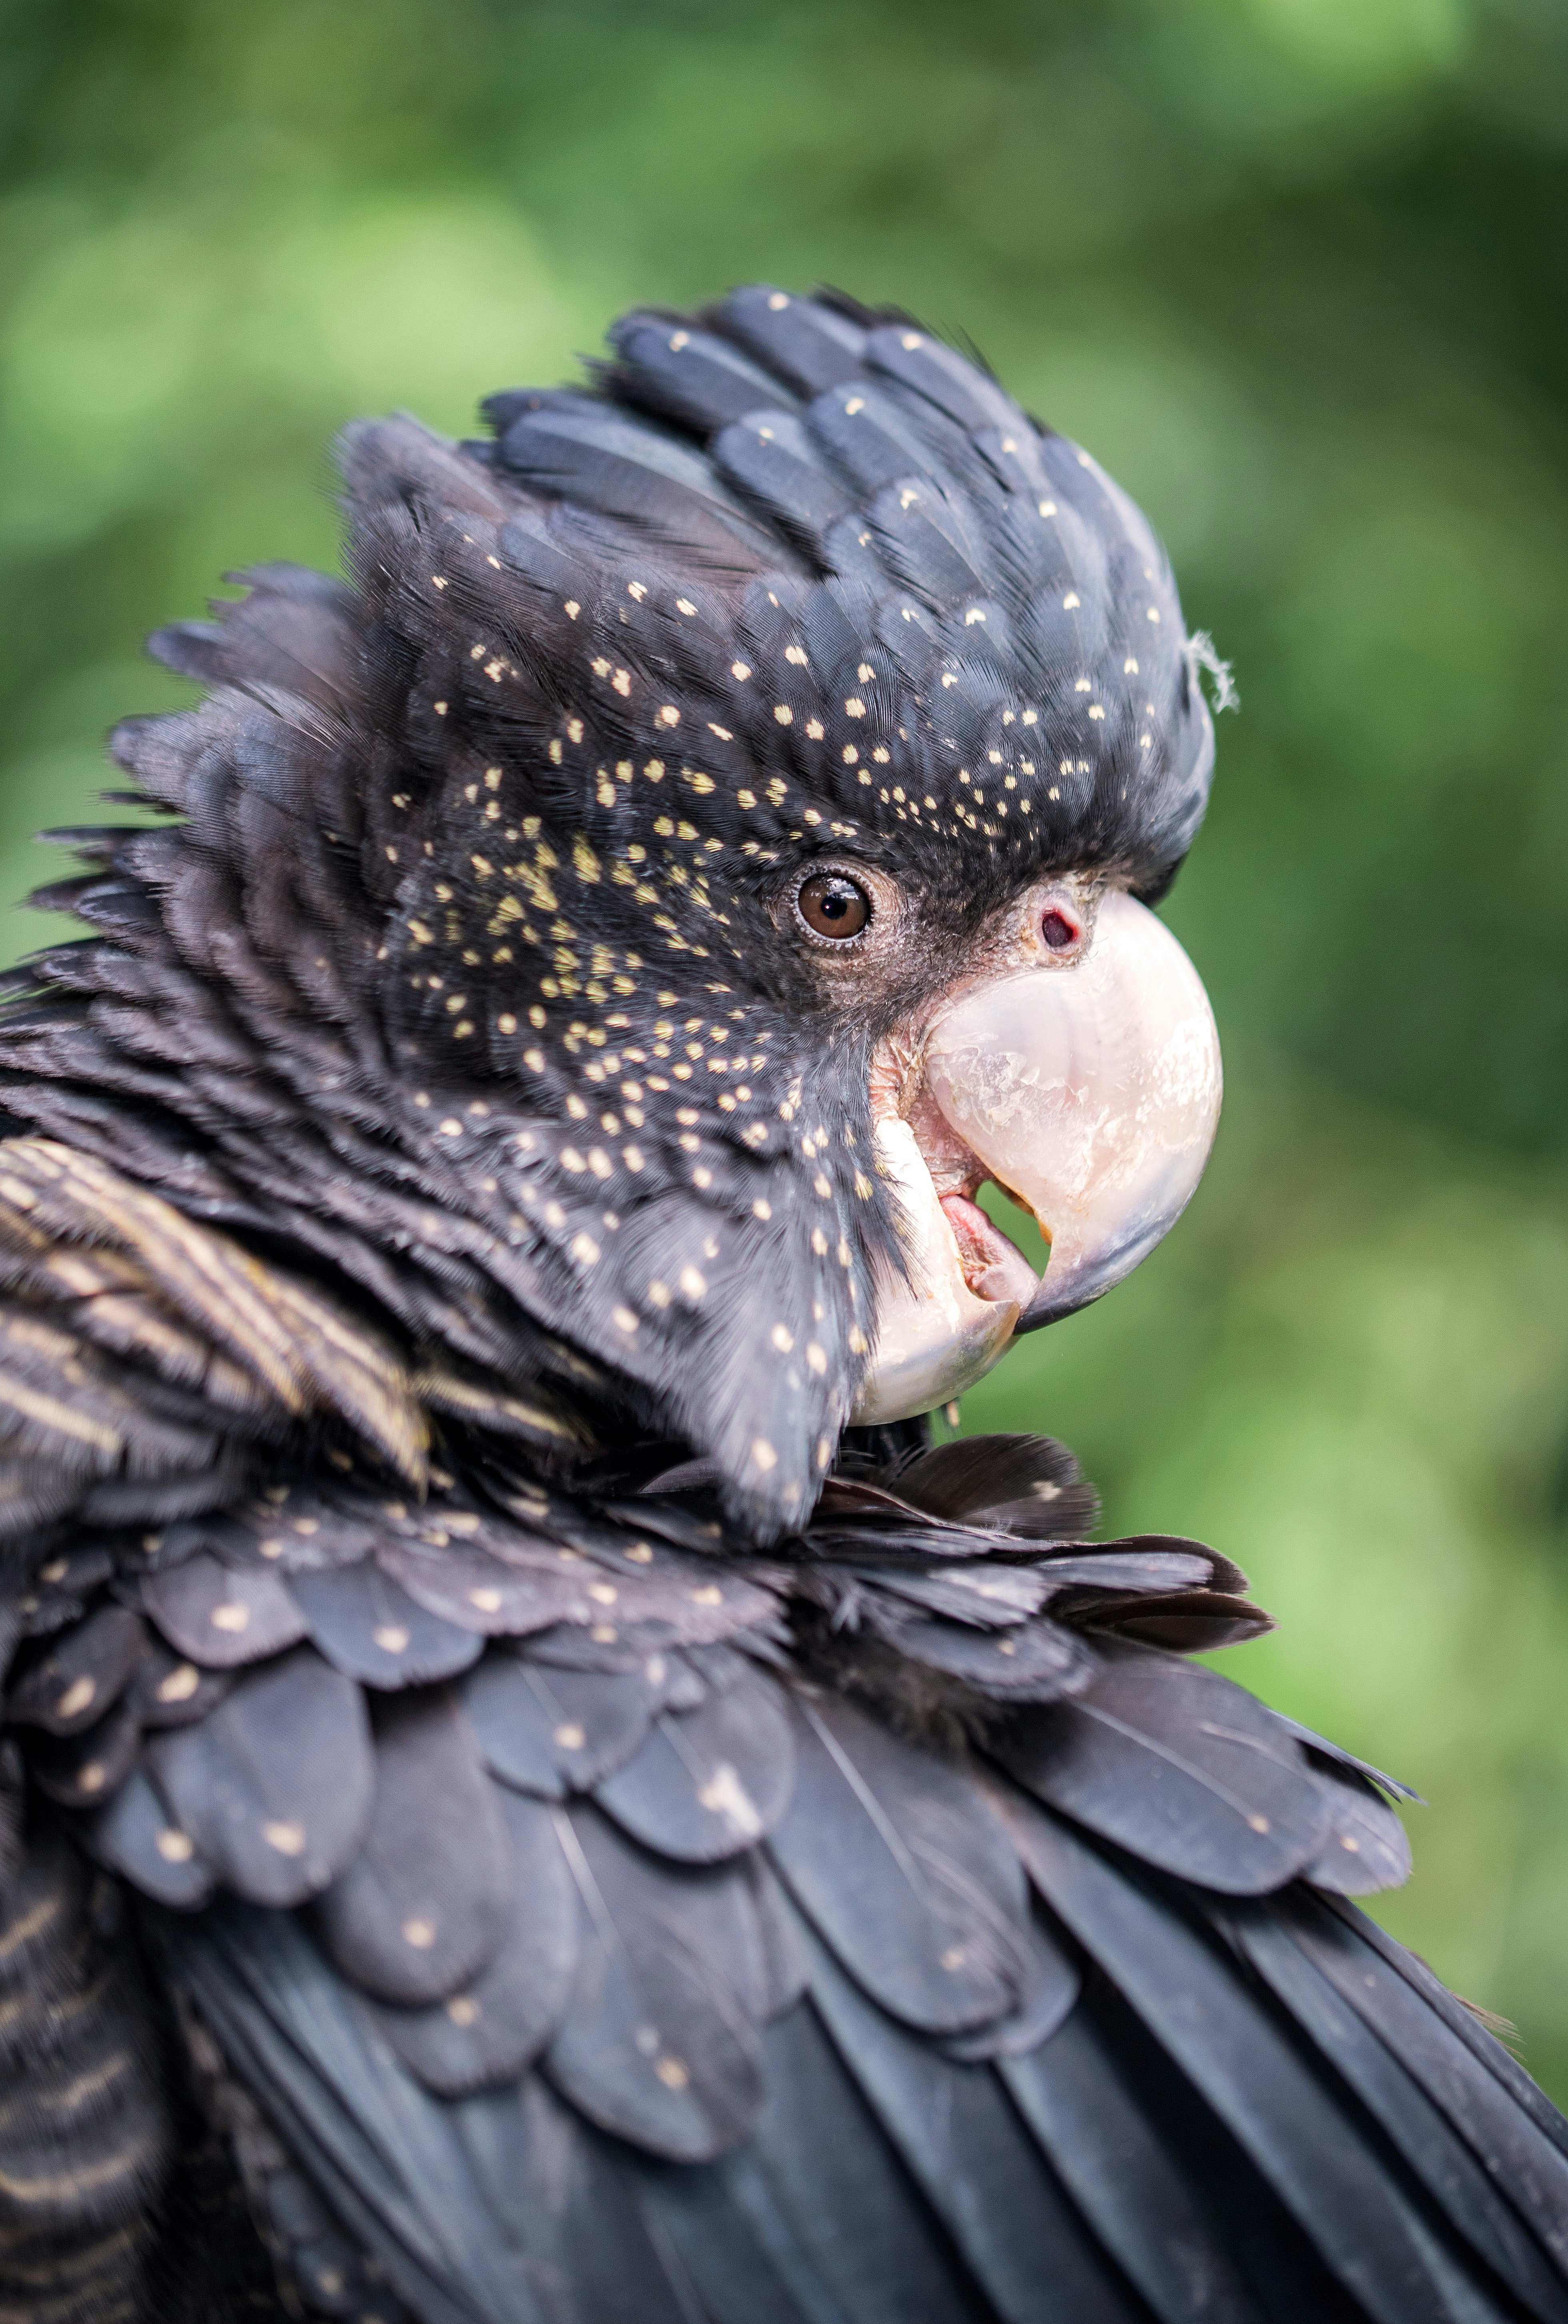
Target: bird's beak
column 1090, row 1094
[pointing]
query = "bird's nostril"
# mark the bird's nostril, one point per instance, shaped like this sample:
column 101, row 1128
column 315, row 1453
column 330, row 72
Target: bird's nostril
column 1058, row 930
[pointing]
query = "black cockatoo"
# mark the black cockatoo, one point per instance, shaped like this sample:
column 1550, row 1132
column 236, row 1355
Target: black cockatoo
column 535, row 1792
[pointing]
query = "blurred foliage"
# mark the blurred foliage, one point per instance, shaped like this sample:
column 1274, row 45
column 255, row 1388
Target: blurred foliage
column 1295, row 271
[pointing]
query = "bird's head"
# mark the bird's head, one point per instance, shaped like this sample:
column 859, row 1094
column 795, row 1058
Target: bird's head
column 757, row 770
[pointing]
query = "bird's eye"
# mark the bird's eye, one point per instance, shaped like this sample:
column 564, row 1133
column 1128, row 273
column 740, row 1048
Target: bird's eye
column 833, row 905
column 1058, row 930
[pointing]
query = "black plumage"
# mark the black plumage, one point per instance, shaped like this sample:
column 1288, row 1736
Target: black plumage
column 513, row 1811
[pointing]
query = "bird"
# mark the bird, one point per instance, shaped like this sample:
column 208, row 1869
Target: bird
column 542, row 1782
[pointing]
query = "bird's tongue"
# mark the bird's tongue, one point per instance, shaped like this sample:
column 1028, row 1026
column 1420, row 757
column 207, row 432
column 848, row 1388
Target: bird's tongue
column 994, row 1269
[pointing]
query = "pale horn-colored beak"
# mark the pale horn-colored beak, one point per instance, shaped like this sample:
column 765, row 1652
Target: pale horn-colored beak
column 1090, row 1095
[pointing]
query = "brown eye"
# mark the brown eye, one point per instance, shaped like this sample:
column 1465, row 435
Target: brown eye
column 832, row 904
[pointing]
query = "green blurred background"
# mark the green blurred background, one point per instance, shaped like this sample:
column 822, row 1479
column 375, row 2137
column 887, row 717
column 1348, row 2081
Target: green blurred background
column 1295, row 269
